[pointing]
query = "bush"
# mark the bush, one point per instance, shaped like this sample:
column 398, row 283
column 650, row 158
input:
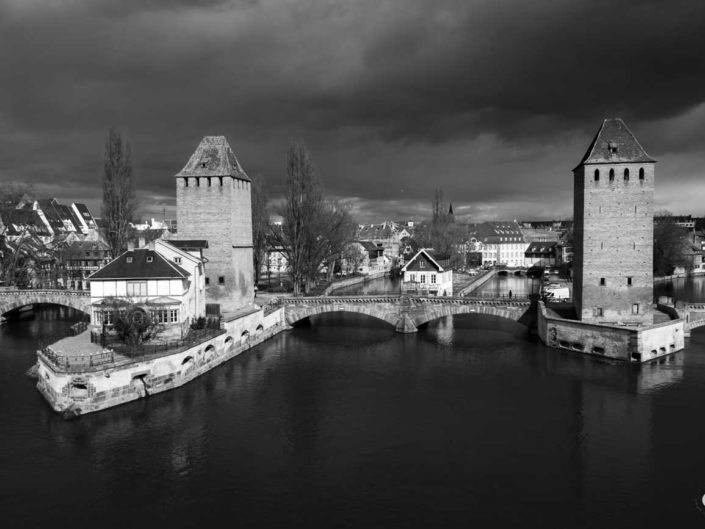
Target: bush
column 198, row 323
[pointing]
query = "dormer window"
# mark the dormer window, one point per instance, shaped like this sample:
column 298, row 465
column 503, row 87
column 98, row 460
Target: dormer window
column 150, row 259
column 612, row 148
column 129, row 259
column 203, row 165
column 422, row 264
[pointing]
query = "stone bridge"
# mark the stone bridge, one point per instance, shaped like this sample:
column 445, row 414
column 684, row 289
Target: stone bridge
column 407, row 313
column 693, row 314
column 11, row 299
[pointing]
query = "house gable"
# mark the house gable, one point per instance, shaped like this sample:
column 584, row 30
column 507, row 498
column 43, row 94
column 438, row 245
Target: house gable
column 422, row 262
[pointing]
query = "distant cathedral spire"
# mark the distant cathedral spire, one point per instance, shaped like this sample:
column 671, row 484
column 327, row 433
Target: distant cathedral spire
column 450, row 211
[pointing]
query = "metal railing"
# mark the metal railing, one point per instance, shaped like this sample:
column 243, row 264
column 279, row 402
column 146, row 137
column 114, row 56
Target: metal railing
column 119, row 354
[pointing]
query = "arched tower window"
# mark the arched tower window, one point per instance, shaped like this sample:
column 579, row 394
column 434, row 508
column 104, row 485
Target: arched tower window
column 611, row 175
column 641, row 174
column 597, row 175
column 626, row 175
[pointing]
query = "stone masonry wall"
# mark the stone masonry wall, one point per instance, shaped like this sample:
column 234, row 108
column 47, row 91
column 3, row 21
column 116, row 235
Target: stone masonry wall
column 219, row 210
column 615, row 242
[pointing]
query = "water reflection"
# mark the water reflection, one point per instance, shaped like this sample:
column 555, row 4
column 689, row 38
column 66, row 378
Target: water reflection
column 501, row 285
column 688, row 289
column 347, row 420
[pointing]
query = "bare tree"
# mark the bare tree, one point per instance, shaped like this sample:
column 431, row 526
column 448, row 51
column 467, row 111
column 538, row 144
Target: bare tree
column 442, row 233
column 671, row 245
column 313, row 229
column 10, row 195
column 119, row 202
column 260, row 223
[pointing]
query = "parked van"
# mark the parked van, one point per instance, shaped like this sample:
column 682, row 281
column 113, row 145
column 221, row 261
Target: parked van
column 552, row 293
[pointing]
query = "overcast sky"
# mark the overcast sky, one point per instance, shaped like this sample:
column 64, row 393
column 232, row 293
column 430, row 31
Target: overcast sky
column 494, row 101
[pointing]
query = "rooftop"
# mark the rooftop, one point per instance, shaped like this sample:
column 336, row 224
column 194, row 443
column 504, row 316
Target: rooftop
column 615, row 143
column 214, row 157
column 140, row 264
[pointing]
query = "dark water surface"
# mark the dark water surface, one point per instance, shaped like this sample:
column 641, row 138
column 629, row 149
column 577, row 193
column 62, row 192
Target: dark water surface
column 347, row 424
column 687, row 289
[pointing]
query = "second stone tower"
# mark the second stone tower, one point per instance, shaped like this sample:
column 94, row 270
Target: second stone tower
column 213, row 202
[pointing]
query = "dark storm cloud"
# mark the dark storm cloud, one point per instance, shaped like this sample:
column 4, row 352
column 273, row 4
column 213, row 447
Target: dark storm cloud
column 496, row 101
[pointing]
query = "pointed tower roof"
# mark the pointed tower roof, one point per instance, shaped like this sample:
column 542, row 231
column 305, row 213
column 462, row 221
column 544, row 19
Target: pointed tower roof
column 450, row 209
column 214, row 157
column 615, row 143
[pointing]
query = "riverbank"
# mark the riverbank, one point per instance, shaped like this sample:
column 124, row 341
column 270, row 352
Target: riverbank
column 478, row 281
column 682, row 275
column 354, row 280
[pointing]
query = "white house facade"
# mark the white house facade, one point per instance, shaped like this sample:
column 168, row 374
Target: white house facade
column 161, row 280
column 424, row 275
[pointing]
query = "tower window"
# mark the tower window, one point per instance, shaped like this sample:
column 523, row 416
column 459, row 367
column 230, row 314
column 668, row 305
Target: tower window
column 597, row 175
column 208, row 280
column 611, row 175
column 641, row 174
column 602, row 282
column 203, row 165
column 612, row 148
column 635, row 308
column 626, row 175
column 221, row 280
column 629, row 281
column 597, row 311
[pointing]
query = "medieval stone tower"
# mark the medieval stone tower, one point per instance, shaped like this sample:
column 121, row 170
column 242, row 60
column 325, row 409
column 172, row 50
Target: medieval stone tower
column 613, row 232
column 213, row 202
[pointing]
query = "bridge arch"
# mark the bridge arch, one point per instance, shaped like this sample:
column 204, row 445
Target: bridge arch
column 441, row 311
column 299, row 314
column 11, row 300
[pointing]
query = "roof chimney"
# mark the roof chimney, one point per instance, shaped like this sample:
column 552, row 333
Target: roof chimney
column 151, row 245
column 141, row 242
column 130, row 246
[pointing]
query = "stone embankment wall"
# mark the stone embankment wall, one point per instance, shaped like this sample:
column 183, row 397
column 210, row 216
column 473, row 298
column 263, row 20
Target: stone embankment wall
column 355, row 280
column 478, row 282
column 630, row 344
column 101, row 388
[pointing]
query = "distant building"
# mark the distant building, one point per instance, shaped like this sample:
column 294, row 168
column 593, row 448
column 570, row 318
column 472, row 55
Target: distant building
column 542, row 254
column 388, row 235
column 613, row 239
column 372, row 258
column 81, row 259
column 501, row 243
column 424, row 274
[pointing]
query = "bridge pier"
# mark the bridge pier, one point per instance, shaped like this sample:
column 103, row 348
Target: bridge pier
column 405, row 325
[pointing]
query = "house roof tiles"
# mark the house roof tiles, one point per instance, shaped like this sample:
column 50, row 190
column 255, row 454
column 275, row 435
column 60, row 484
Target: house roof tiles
column 213, row 157
column 615, row 143
column 140, row 264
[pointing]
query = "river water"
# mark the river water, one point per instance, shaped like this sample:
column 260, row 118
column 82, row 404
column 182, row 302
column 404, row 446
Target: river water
column 345, row 423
